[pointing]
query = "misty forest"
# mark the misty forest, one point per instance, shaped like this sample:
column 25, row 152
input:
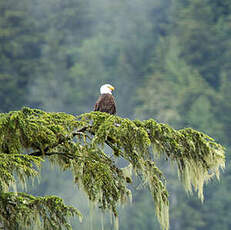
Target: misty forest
column 162, row 162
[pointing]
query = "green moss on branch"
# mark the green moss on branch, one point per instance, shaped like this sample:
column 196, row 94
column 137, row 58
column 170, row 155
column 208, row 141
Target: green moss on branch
column 78, row 144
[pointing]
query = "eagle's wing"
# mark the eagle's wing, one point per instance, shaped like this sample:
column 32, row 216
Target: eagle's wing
column 105, row 103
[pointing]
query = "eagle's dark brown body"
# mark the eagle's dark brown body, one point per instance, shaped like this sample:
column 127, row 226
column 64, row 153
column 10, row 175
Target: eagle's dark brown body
column 105, row 103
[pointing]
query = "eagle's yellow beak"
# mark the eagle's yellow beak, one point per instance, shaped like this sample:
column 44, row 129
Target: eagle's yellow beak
column 111, row 88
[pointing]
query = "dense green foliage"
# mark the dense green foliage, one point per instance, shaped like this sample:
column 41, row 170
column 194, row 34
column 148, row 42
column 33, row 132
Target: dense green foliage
column 20, row 211
column 168, row 60
column 78, row 144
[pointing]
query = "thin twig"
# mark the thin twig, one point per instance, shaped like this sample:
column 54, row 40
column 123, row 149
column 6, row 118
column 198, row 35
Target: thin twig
column 39, row 153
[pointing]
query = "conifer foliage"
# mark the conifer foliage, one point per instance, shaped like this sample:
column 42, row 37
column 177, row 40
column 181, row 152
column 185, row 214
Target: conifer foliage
column 88, row 146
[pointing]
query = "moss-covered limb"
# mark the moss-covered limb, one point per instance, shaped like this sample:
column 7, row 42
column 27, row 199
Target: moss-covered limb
column 17, row 164
column 78, row 143
column 96, row 173
column 197, row 155
column 32, row 128
column 23, row 211
column 202, row 159
column 132, row 141
column 134, row 138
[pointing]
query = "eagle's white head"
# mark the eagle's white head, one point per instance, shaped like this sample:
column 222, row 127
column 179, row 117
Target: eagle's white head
column 107, row 88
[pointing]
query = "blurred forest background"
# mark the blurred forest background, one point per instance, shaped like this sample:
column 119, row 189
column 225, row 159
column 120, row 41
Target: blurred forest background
column 168, row 59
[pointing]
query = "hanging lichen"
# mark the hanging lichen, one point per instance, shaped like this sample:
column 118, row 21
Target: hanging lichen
column 78, row 144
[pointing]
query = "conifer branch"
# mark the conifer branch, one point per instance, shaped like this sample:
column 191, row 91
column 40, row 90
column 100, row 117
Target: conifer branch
column 109, row 141
column 81, row 150
column 21, row 211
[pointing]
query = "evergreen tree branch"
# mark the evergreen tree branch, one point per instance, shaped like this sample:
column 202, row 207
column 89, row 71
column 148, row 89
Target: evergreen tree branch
column 68, row 143
column 22, row 165
column 21, row 211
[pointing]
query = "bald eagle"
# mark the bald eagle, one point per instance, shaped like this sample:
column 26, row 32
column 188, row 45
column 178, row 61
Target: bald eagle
column 106, row 102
